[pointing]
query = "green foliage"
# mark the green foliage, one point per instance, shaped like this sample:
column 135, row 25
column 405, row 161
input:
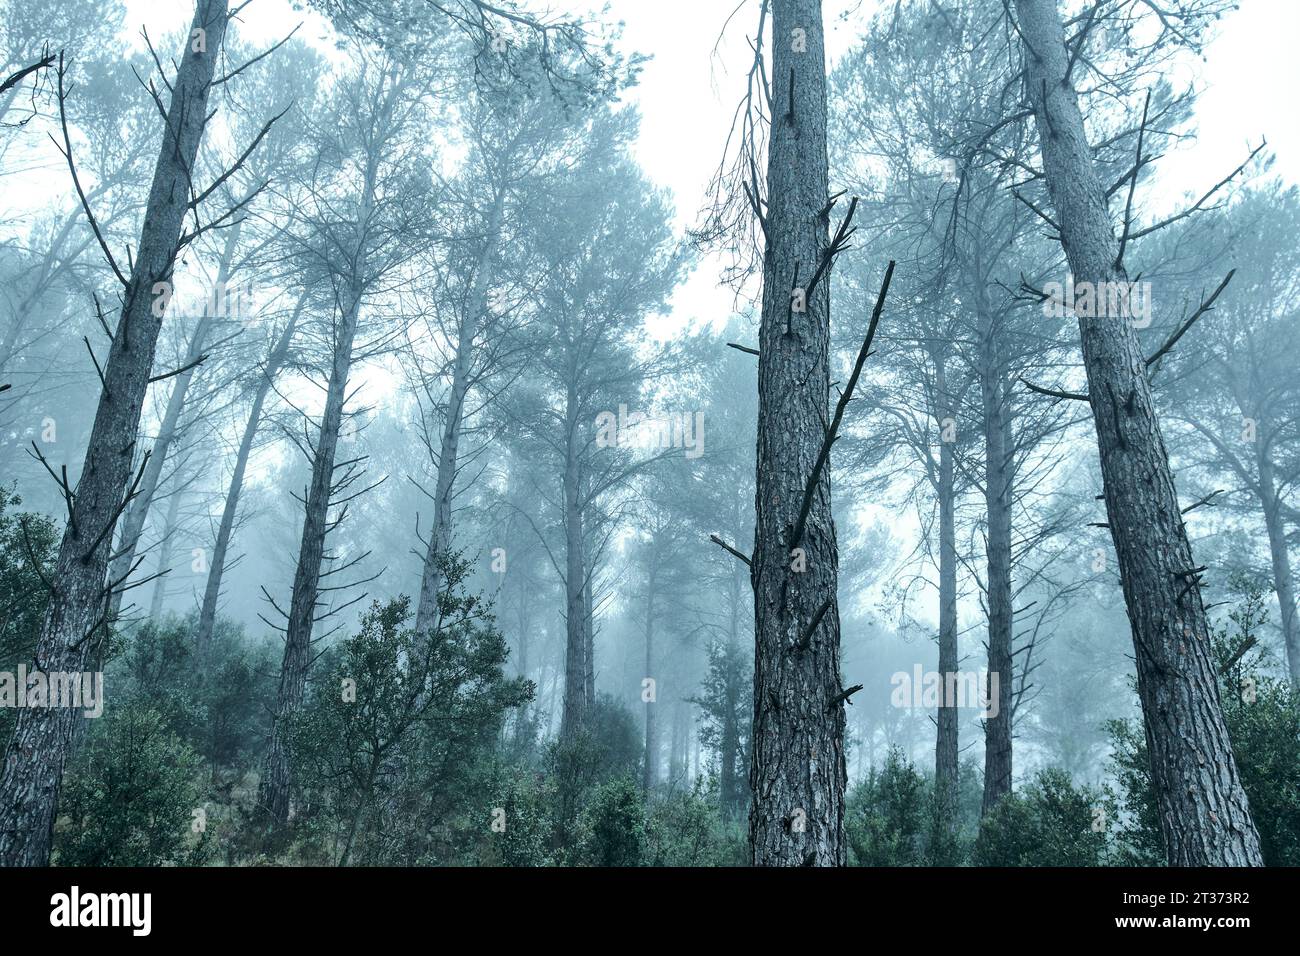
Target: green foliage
column 130, row 794
column 393, row 739
column 1263, row 718
column 607, row 747
column 726, row 702
column 887, row 815
column 1050, row 822
column 219, row 705
column 686, row 828
column 613, row 826
column 523, row 835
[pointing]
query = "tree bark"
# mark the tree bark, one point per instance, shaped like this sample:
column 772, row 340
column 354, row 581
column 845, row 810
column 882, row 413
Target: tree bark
column 797, row 772
column 77, row 614
column 1203, row 810
column 225, row 530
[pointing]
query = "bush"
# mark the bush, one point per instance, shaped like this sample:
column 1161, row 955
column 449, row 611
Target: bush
column 130, row 794
column 1050, row 822
column 613, row 826
column 396, row 736
column 887, row 815
column 686, row 828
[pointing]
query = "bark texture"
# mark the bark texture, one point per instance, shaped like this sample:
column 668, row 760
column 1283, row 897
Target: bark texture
column 76, row 618
column 1204, row 815
column 797, row 772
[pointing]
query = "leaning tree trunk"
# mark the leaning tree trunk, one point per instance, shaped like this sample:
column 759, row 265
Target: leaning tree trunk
column 797, row 772
column 1278, row 550
column 997, row 505
column 1203, row 811
column 134, row 519
column 217, row 566
column 76, row 617
column 276, row 783
column 431, row 579
column 946, row 738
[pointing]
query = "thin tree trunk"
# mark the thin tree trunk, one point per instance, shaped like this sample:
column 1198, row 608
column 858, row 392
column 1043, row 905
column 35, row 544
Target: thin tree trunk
column 946, row 739
column 439, row 547
column 1203, row 811
column 75, row 619
column 276, row 783
column 217, row 566
column 651, row 775
column 164, row 556
column 575, row 606
column 997, row 503
column 1283, row 583
column 589, row 627
column 797, row 772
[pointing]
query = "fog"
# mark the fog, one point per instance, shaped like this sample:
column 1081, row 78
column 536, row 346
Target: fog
column 656, row 434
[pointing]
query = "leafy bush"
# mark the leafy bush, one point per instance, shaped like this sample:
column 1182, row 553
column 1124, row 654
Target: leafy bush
column 887, row 815
column 130, row 794
column 686, row 828
column 1050, row 822
column 392, row 740
column 613, row 826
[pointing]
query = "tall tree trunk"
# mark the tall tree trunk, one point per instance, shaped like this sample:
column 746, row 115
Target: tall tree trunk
column 589, row 628
column 997, row 504
column 74, row 623
column 797, row 772
column 439, row 546
column 217, row 566
column 1283, row 583
column 946, row 738
column 651, row 774
column 134, row 519
column 1203, row 810
column 164, row 556
column 276, row 783
column 575, row 603
column 729, row 784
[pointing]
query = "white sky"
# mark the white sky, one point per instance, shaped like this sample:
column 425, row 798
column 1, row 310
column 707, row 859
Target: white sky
column 687, row 94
